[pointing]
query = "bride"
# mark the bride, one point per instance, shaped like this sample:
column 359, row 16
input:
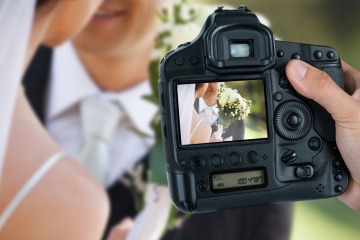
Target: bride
column 43, row 194
column 194, row 130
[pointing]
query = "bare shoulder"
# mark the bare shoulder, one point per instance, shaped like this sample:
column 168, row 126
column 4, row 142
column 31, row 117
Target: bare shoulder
column 204, row 127
column 202, row 133
column 66, row 204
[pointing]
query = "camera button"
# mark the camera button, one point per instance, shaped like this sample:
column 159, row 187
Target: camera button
column 234, row 159
column 306, row 171
column 252, row 157
column 318, row 55
column 179, row 61
column 338, row 189
column 202, row 186
column 331, row 55
column 216, row 161
column 194, row 60
column 183, row 163
column 289, row 156
column 336, row 164
column 314, row 143
column 197, row 163
column 280, row 54
column 338, row 177
column 293, row 120
column 278, row 96
column 296, row 56
column 284, row 82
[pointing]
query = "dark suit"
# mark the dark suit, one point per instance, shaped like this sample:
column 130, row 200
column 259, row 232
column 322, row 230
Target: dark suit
column 236, row 130
column 265, row 222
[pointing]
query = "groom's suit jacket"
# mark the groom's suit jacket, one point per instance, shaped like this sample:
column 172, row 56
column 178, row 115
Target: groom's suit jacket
column 254, row 223
column 235, row 129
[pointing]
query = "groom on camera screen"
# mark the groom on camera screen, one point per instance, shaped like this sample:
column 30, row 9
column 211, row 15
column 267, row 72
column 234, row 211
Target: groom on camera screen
column 208, row 110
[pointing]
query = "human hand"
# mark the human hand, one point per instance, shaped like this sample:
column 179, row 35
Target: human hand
column 344, row 108
column 151, row 222
column 120, row 231
column 216, row 136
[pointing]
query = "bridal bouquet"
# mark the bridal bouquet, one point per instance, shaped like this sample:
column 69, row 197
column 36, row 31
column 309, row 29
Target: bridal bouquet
column 232, row 106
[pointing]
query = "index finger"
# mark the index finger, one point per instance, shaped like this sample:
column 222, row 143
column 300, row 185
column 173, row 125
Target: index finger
column 351, row 79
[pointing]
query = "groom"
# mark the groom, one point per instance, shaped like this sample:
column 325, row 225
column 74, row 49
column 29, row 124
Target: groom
column 111, row 56
column 207, row 108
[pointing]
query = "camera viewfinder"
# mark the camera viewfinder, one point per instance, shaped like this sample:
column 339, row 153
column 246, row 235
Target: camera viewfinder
column 241, row 49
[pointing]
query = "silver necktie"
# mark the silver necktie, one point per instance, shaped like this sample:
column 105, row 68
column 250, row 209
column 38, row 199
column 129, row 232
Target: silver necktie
column 208, row 114
column 100, row 118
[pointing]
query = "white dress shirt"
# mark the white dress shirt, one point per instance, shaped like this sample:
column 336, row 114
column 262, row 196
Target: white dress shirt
column 209, row 118
column 69, row 84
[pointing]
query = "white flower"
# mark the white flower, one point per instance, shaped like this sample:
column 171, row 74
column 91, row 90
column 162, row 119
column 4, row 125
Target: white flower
column 232, row 104
column 243, row 104
column 232, row 97
column 168, row 41
column 164, row 27
column 184, row 33
column 222, row 99
column 185, row 13
column 156, row 54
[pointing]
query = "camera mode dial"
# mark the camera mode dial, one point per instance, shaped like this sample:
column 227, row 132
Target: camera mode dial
column 293, row 120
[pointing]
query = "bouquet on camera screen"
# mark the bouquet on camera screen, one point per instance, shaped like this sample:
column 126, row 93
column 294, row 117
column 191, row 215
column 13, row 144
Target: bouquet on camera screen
column 232, row 106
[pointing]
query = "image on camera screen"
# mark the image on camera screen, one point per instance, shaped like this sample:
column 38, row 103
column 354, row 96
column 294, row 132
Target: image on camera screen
column 222, row 111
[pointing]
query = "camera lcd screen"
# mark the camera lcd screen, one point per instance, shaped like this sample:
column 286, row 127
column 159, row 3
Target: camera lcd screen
column 238, row 179
column 228, row 111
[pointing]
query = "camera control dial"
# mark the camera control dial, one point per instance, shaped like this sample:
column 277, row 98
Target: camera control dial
column 293, row 120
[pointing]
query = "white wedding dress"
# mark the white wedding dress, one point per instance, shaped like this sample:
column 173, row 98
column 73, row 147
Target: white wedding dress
column 186, row 98
column 16, row 18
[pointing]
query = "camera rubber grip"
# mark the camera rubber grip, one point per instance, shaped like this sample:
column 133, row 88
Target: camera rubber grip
column 180, row 192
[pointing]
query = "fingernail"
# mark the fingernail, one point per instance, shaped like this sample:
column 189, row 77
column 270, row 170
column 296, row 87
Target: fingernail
column 299, row 70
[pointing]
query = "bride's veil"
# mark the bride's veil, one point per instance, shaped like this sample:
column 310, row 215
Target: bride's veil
column 186, row 97
column 16, row 17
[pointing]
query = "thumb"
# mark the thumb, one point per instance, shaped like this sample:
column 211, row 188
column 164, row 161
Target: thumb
column 318, row 86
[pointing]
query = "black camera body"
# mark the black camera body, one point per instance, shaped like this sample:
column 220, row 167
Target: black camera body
column 288, row 152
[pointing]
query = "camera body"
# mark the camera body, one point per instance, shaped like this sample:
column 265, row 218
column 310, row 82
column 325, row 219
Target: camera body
column 288, row 151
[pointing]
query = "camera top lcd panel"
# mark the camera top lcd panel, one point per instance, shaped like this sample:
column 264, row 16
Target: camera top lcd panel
column 235, row 132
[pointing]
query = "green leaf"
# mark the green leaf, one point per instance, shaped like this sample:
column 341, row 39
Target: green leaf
column 154, row 77
column 156, row 126
column 152, row 99
column 157, row 164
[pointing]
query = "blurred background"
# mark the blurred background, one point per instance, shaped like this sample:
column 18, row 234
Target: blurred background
column 321, row 22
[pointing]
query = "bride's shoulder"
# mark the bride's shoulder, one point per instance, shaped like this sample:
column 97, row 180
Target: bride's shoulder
column 201, row 132
column 205, row 131
column 50, row 199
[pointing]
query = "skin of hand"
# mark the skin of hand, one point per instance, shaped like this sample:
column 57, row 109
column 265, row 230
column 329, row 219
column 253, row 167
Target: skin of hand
column 215, row 139
column 120, row 231
column 344, row 108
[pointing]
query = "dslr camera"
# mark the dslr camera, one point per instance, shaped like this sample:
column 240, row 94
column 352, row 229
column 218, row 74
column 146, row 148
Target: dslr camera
column 235, row 132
